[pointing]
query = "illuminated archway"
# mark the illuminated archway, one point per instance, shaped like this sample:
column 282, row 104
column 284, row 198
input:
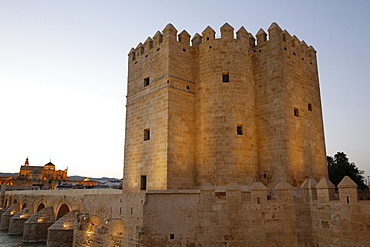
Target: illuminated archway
column 63, row 210
column 40, row 207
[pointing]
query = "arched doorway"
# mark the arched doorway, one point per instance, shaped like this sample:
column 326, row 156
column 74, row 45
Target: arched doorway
column 41, row 206
column 63, row 210
column 24, row 205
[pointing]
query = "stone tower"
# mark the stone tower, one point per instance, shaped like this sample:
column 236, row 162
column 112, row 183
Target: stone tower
column 222, row 110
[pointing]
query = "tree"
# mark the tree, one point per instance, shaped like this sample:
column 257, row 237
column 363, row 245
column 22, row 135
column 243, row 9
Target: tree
column 339, row 166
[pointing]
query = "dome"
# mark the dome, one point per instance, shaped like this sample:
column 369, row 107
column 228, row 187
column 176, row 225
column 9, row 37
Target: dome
column 50, row 164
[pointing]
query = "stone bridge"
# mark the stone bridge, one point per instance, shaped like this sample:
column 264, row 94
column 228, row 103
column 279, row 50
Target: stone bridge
column 45, row 215
column 311, row 215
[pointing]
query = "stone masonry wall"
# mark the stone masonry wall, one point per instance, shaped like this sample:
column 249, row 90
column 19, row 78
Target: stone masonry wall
column 110, row 220
column 181, row 113
column 165, row 107
column 211, row 216
column 223, row 105
column 339, row 224
column 224, row 109
column 290, row 133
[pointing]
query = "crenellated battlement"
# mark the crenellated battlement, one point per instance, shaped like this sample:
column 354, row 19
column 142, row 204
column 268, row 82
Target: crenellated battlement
column 262, row 38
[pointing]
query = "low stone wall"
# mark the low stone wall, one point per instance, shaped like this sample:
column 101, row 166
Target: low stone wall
column 110, row 220
column 312, row 215
column 337, row 224
column 231, row 216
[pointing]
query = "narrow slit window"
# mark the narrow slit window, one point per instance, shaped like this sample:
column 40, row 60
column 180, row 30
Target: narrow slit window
column 146, row 82
column 310, row 107
column 225, row 77
column 146, row 134
column 143, row 182
column 239, row 130
column 296, row 112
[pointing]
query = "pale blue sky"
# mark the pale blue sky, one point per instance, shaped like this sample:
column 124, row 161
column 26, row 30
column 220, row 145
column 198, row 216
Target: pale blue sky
column 63, row 70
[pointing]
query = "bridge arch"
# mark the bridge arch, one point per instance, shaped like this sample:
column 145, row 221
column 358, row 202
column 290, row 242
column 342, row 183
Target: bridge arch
column 40, row 207
column 63, row 210
column 5, row 203
column 24, row 205
column 14, row 200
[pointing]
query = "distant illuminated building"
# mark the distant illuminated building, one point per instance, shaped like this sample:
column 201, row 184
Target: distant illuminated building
column 46, row 172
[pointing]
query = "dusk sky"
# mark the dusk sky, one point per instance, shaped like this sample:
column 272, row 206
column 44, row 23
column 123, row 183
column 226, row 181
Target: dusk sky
column 63, row 71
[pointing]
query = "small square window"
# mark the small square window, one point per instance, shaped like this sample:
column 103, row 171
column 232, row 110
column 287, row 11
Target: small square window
column 172, row 236
column 146, row 82
column 146, row 134
column 296, row 112
column 187, row 88
column 225, row 77
column 310, row 107
column 239, row 130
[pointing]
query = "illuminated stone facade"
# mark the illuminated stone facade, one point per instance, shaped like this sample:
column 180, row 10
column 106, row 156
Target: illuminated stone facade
column 222, row 110
column 237, row 216
column 46, row 172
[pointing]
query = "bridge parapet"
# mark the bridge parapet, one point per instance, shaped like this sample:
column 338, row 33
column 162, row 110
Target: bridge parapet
column 54, row 212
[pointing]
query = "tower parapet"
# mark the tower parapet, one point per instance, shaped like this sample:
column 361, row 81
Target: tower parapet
column 227, row 31
column 157, row 38
column 261, row 37
column 184, row 37
column 348, row 191
column 325, row 190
